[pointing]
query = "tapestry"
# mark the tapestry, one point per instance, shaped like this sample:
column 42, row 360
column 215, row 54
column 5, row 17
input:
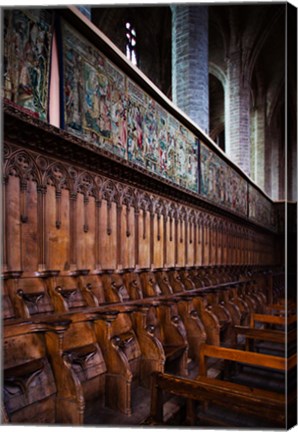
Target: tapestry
column 94, row 95
column 107, row 108
column 26, row 59
column 261, row 209
column 220, row 184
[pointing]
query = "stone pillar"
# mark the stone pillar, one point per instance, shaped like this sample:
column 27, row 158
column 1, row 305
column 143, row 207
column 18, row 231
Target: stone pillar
column 190, row 62
column 260, row 168
column 238, row 148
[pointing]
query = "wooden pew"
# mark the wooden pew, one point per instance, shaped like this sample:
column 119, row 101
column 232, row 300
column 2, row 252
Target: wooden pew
column 255, row 402
column 250, row 358
column 281, row 309
column 233, row 396
column 268, row 335
column 273, row 320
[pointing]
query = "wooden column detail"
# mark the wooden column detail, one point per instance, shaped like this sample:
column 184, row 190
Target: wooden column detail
column 109, row 228
column 41, row 229
column 151, row 237
column 58, row 208
column 73, row 231
column 195, row 251
column 144, row 223
column 137, row 252
column 97, row 235
column 176, row 240
column 5, row 263
column 158, row 227
column 23, row 200
column 86, row 224
column 128, row 233
column 119, row 236
column 165, row 236
column 186, row 240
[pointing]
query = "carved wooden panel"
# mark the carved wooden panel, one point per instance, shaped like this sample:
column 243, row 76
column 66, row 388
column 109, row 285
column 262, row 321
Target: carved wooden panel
column 60, row 217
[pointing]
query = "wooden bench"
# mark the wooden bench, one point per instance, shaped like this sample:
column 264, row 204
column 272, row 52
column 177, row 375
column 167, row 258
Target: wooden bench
column 242, row 398
column 252, row 335
column 273, row 320
column 247, row 357
column 281, row 309
column 258, row 402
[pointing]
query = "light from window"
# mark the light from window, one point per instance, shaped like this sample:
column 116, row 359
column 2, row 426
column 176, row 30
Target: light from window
column 131, row 42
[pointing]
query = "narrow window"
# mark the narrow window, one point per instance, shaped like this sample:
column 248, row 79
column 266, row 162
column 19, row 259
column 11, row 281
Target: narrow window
column 131, row 42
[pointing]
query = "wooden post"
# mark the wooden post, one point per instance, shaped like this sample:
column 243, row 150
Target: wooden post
column 5, row 225
column 97, row 234
column 137, row 252
column 156, row 408
column 119, row 238
column 41, row 215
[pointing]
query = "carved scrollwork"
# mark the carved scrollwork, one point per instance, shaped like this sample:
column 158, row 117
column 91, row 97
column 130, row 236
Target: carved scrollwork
column 109, row 191
column 42, row 163
column 22, row 165
column 73, row 173
column 57, row 176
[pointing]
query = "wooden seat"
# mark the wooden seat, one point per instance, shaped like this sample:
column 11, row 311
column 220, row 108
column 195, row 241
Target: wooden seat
column 31, row 392
column 126, row 325
column 29, row 296
column 162, row 278
column 133, row 285
column 122, row 356
column 176, row 281
column 187, row 280
column 65, row 292
column 149, row 284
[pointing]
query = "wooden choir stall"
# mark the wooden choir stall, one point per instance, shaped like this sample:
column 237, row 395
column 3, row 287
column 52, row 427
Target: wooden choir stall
column 139, row 286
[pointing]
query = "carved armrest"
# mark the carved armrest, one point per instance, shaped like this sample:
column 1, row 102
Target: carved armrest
column 81, row 355
column 135, row 289
column 33, row 298
column 89, row 296
column 66, row 293
column 123, row 340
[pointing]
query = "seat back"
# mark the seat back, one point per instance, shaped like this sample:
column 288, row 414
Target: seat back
column 29, row 388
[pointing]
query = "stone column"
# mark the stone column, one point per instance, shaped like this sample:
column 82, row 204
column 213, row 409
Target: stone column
column 238, row 113
column 260, row 147
column 190, row 62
